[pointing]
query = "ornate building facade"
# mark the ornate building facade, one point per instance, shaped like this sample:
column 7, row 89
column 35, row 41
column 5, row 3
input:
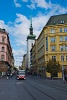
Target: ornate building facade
column 6, row 55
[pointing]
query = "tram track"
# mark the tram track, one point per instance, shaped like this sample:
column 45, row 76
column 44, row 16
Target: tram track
column 37, row 90
column 51, row 85
column 34, row 87
column 29, row 93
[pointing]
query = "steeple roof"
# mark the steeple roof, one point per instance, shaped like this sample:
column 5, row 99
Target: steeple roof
column 31, row 35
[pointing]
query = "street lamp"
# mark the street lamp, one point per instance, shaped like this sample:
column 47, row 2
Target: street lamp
column 62, row 69
column 62, row 66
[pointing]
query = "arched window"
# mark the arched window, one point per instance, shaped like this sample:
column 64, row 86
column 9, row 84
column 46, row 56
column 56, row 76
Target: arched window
column 3, row 39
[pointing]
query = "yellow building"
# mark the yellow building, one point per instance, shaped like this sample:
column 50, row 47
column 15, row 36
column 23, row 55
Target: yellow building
column 52, row 44
column 55, row 33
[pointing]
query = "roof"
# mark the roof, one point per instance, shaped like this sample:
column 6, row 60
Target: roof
column 57, row 19
column 31, row 36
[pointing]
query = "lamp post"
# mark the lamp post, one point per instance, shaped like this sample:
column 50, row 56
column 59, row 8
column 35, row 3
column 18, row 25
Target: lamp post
column 62, row 68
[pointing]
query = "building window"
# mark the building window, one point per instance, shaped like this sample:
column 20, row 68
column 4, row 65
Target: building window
column 66, row 47
column 60, row 29
column 2, row 57
column 46, row 43
column 3, row 39
column 53, row 48
column 3, row 49
column 66, row 58
column 61, row 38
column 65, row 29
column 52, row 31
column 53, row 57
column 61, row 48
column 52, row 39
column 65, row 38
column 32, row 45
column 54, row 22
column 62, row 58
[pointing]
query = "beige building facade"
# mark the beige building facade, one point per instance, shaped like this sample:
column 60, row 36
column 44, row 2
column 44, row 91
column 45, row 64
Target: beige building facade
column 33, row 56
column 24, row 62
column 41, row 53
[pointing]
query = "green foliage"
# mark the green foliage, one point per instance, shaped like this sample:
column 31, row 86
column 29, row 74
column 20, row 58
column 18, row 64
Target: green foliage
column 53, row 66
column 15, row 69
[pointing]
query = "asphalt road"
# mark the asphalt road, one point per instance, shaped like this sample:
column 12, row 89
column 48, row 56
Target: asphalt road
column 33, row 88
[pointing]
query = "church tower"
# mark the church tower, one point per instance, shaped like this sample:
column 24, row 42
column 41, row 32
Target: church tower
column 30, row 41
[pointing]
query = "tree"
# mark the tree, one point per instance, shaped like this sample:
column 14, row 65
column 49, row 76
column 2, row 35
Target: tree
column 15, row 69
column 53, row 67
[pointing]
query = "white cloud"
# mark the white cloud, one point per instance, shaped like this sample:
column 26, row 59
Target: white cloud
column 18, row 56
column 2, row 24
column 38, row 23
column 32, row 6
column 40, row 3
column 62, row 9
column 57, row 9
column 20, row 30
column 24, row 0
column 43, row 4
column 17, row 4
column 22, row 24
column 18, row 53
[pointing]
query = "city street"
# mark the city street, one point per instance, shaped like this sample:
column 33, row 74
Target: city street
column 33, row 88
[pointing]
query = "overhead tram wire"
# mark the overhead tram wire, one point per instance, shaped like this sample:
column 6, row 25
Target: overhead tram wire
column 58, row 7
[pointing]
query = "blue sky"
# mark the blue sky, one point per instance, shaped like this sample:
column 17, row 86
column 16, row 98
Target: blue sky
column 15, row 18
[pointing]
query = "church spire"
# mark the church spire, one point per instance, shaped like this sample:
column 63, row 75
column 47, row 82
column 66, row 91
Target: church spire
column 31, row 35
column 31, row 28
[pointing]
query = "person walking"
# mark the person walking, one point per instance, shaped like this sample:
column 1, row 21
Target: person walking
column 65, row 78
column 7, row 75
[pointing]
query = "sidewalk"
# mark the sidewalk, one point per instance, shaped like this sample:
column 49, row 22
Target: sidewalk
column 48, row 78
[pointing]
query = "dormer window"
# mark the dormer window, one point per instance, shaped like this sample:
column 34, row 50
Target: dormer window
column 62, row 21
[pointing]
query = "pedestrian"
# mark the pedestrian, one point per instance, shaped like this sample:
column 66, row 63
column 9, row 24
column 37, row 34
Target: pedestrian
column 7, row 75
column 11, row 75
column 65, row 78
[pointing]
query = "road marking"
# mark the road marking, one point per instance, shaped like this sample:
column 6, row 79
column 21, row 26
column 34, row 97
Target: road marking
column 19, row 82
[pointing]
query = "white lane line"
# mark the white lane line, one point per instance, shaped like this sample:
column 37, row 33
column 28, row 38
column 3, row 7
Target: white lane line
column 19, row 82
